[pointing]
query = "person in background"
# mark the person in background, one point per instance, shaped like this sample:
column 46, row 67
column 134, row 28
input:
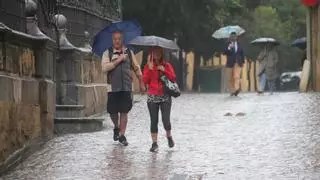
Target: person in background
column 118, row 62
column 304, row 57
column 157, row 99
column 261, row 70
column 235, row 61
column 268, row 68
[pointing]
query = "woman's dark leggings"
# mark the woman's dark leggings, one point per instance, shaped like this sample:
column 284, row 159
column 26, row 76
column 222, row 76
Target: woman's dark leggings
column 165, row 108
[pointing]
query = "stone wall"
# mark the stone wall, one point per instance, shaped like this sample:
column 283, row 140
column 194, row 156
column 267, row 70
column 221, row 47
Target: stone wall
column 82, row 81
column 27, row 93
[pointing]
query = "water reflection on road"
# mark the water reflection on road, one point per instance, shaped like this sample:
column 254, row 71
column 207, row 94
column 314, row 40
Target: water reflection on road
column 277, row 137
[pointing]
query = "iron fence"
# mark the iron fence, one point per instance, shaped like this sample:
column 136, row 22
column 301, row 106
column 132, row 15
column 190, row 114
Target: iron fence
column 88, row 15
column 12, row 13
column 82, row 15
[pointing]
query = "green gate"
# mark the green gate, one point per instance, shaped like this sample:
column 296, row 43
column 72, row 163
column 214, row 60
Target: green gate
column 210, row 80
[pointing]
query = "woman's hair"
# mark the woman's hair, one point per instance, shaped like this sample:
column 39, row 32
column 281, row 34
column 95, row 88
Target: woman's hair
column 151, row 50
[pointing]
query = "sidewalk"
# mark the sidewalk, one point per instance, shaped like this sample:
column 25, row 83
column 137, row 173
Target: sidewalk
column 278, row 137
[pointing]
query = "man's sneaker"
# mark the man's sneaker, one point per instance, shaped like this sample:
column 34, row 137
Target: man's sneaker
column 154, row 147
column 116, row 135
column 260, row 92
column 123, row 140
column 170, row 142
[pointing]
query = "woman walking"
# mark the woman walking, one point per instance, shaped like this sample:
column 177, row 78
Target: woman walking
column 268, row 68
column 157, row 99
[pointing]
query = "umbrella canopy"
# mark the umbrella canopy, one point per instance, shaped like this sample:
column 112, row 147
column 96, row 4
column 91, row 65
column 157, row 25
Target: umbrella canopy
column 154, row 41
column 103, row 40
column 265, row 40
column 225, row 32
column 300, row 43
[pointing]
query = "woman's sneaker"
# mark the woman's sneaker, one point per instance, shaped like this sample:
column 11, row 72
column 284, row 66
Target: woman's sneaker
column 154, row 147
column 170, row 142
column 123, row 140
column 116, row 134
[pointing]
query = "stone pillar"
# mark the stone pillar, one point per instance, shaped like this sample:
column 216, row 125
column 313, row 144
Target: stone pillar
column 81, row 86
column 44, row 69
column 61, row 22
column 66, row 49
column 86, row 47
column 32, row 24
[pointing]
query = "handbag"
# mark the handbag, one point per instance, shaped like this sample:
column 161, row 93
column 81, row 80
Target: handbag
column 169, row 87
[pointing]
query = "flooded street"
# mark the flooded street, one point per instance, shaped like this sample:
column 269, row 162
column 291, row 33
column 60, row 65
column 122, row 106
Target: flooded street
column 274, row 137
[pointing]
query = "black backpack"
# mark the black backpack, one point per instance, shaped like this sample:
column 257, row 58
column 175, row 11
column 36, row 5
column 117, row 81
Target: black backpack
column 110, row 56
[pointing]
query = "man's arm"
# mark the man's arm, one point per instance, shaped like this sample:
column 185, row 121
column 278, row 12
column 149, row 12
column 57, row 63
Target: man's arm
column 137, row 71
column 136, row 66
column 107, row 64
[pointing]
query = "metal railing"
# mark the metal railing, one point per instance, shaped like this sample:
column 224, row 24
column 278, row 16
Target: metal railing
column 88, row 15
column 107, row 9
column 12, row 14
column 82, row 15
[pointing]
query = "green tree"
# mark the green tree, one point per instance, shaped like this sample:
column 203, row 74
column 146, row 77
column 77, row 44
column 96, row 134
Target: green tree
column 194, row 21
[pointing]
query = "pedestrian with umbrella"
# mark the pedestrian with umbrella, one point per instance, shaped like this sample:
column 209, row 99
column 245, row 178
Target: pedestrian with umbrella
column 235, row 56
column 160, row 79
column 118, row 61
column 268, row 64
column 301, row 43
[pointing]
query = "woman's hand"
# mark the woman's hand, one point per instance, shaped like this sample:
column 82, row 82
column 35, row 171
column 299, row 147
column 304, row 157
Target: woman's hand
column 150, row 64
column 161, row 68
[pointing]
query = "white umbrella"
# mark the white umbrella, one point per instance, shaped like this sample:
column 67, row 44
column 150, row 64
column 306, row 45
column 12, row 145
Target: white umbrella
column 265, row 40
column 225, row 32
column 154, row 41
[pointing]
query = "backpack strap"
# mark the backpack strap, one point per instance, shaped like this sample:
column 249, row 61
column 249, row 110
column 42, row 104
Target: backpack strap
column 110, row 51
column 128, row 51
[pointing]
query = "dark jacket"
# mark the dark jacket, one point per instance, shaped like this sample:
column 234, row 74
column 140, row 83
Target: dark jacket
column 234, row 57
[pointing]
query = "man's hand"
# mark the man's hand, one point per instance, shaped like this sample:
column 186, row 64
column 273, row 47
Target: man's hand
column 161, row 68
column 120, row 59
column 230, row 46
column 123, row 57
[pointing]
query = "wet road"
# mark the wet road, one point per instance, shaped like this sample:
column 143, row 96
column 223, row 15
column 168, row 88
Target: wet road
column 277, row 137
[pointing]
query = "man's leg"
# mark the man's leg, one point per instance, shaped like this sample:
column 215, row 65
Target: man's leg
column 272, row 85
column 123, row 123
column 112, row 108
column 262, row 82
column 229, row 74
column 116, row 130
column 125, row 106
column 236, row 77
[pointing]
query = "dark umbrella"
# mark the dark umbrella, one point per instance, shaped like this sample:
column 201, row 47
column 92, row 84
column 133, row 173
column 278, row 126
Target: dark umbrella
column 154, row 41
column 300, row 43
column 103, row 40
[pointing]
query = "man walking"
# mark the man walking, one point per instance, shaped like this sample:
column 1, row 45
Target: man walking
column 235, row 61
column 119, row 62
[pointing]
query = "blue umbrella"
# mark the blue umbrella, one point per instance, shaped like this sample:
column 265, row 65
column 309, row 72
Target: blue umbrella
column 225, row 32
column 103, row 40
column 300, row 43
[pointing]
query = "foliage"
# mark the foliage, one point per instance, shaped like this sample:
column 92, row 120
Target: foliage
column 194, row 21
